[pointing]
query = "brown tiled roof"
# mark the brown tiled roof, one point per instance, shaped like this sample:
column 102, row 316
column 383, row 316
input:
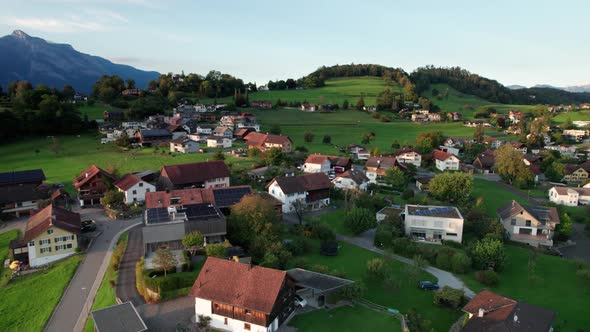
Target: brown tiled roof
column 381, row 162
column 195, row 172
column 220, row 130
column 20, row 194
column 402, row 151
column 517, row 145
column 241, row 132
column 356, row 175
column 339, row 161
column 316, row 159
column 539, row 212
column 92, row 171
column 59, row 192
column 487, row 159
column 441, row 155
column 334, row 160
column 127, row 181
column 238, row 284
column 303, row 183
column 496, row 306
column 51, row 216
column 191, row 196
column 258, row 139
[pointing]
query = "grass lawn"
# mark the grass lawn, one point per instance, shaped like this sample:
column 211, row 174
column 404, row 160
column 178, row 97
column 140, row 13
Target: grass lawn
column 493, row 195
column 335, row 220
column 456, row 100
column 344, row 319
column 348, row 126
column 106, row 295
column 555, row 286
column 79, row 153
column 352, row 260
column 5, row 239
column 28, row 302
column 575, row 116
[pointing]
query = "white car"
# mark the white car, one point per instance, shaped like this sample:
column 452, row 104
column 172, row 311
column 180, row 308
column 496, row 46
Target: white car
column 300, row 302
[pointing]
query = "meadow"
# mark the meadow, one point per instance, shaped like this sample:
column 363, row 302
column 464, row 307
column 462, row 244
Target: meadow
column 345, row 319
column 574, row 116
column 493, row 196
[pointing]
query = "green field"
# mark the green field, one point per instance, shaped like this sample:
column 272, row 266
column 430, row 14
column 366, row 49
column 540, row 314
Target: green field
column 575, row 116
column 456, row 100
column 345, row 319
column 79, row 153
column 553, row 285
column 352, row 260
column 28, row 302
column 493, row 195
column 348, row 126
column 335, row 220
column 5, row 239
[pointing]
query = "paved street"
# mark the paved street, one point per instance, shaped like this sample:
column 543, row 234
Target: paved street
column 126, row 290
column 582, row 248
column 20, row 223
column 76, row 301
column 166, row 316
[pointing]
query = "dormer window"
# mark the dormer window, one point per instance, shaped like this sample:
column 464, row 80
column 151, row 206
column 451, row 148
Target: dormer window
column 50, row 231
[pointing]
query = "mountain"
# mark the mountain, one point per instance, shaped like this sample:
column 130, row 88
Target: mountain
column 578, row 88
column 38, row 61
column 516, row 87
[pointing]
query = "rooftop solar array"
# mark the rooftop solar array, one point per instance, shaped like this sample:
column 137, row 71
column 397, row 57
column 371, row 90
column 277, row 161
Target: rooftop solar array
column 427, row 212
column 226, row 197
column 194, row 212
column 17, row 177
column 157, row 215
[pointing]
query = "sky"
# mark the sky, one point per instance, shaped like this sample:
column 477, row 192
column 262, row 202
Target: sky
column 515, row 42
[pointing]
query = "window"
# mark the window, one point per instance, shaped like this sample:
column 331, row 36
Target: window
column 247, row 327
column 225, row 321
column 147, row 190
column 50, row 231
column 46, row 241
column 31, row 243
column 141, row 184
column 45, row 250
column 513, row 222
column 60, row 247
column 69, row 246
column 528, row 223
column 134, row 192
column 451, row 234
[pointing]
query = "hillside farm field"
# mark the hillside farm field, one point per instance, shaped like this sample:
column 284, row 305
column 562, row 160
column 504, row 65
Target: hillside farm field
column 574, row 116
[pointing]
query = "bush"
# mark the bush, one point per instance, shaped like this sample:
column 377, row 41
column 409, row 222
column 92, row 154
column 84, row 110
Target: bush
column 300, row 262
column 487, row 277
column 320, row 268
column 404, row 246
column 488, row 253
column 449, row 297
column 353, row 292
column 359, row 220
column 216, row 250
column 298, row 246
column 460, row 263
column 407, row 194
column 584, row 275
column 383, row 236
column 443, row 260
column 320, row 231
column 376, row 267
column 308, row 136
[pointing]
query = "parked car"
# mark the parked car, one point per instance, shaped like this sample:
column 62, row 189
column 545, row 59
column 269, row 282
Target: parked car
column 300, row 302
column 88, row 226
column 429, row 285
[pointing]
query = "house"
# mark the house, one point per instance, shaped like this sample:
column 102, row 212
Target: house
column 445, row 161
column 452, row 150
column 219, row 142
column 112, row 116
column 131, row 92
column 575, row 134
column 454, row 116
column 577, row 174
column 407, row 156
column 311, row 190
column 423, row 182
column 261, row 104
column 222, row 131
column 388, row 212
column 520, row 147
column 564, row 150
column 569, row 196
column 223, row 197
column 377, row 166
column 51, row 234
column 266, row 172
column 134, row 188
column 118, row 318
column 491, row 312
column 184, row 145
column 308, row 107
column 515, row 116
column 194, row 175
column 354, row 149
column 352, row 179
column 433, row 223
column 154, row 137
column 33, row 177
column 204, row 130
column 485, row 161
column 178, row 130
column 493, row 142
column 322, row 163
column 20, row 200
column 243, row 297
column 265, row 142
column 534, row 226
column 241, row 133
column 363, row 155
column 91, row 185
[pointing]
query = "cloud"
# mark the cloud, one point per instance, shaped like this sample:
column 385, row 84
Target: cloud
column 106, row 15
column 47, row 24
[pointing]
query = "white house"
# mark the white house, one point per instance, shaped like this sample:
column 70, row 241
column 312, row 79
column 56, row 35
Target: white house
column 134, row 188
column 223, row 131
column 204, row 130
column 312, row 190
column 452, row 150
column 219, row 142
column 446, row 161
column 433, row 223
column 534, row 226
column 569, row 196
column 353, row 179
column 406, row 156
column 317, row 163
column 242, row 297
column 184, row 145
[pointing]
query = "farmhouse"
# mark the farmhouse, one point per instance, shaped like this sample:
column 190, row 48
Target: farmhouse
column 91, row 185
column 322, row 163
column 243, row 297
column 377, row 166
column 310, row 190
column 433, row 223
column 151, row 137
column 224, row 197
column 134, row 188
column 352, row 179
column 51, row 234
column 21, row 191
column 222, row 131
column 407, row 156
column 569, row 196
column 577, row 174
column 194, row 175
column 265, row 142
column 445, row 161
column 33, row 177
column 184, row 145
column 534, row 226
column 485, row 161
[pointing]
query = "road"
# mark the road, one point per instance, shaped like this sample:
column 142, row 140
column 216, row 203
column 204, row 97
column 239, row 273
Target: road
column 20, row 224
column 582, row 248
column 77, row 299
column 126, row 290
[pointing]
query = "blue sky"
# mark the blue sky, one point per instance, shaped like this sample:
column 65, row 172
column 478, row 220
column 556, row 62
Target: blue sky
column 515, row 42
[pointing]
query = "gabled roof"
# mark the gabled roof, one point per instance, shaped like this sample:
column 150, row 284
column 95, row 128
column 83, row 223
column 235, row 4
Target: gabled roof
column 221, row 129
column 18, row 177
column 355, row 175
column 486, row 158
column 155, row 132
column 20, row 194
column 238, row 284
column 381, row 162
column 542, row 213
column 222, row 197
column 339, row 161
column 51, row 216
column 441, row 155
column 258, row 139
column 195, row 172
column 127, row 181
column 88, row 174
column 402, row 151
column 303, row 183
column 561, row 190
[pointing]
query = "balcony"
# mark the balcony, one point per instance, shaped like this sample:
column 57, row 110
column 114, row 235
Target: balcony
column 533, row 240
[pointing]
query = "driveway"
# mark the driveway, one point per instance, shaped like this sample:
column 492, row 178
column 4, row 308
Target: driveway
column 582, row 247
column 75, row 304
column 126, row 290
column 19, row 224
column 169, row 315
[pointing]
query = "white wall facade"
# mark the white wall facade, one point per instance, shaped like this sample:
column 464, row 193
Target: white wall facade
column 571, row 199
column 448, row 228
column 451, row 164
column 317, row 168
column 217, row 183
column 224, row 143
column 137, row 192
column 287, row 199
column 186, row 147
column 35, row 261
column 348, row 183
column 203, row 307
column 410, row 158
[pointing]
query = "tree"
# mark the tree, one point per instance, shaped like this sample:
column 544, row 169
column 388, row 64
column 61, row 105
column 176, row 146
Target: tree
column 274, row 156
column 426, row 142
column 275, row 129
column 327, row 139
column 449, row 297
column 218, row 155
column 478, row 134
column 68, row 92
column 300, row 208
column 377, row 267
column 396, row 178
column 130, row 83
column 123, row 140
column 345, row 104
column 216, row 250
column 395, row 145
column 488, row 253
column 511, row 168
column 360, row 104
column 451, row 187
column 555, row 171
column 164, row 260
column 359, row 220
column 112, row 198
column 308, row 136
column 253, row 217
column 193, row 241
column 565, row 227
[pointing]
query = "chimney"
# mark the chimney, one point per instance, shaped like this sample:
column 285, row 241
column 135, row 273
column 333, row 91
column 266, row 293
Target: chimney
column 480, row 312
column 87, row 174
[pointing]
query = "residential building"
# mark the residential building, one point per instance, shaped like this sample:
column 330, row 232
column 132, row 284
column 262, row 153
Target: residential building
column 422, row 182
column 242, row 297
column 352, row 179
column 51, row 234
column 194, row 175
column 20, row 200
column 407, row 156
column 134, row 188
column 515, row 116
column 534, row 225
column 33, row 177
column 445, row 161
column 265, row 142
column 323, row 163
column 491, row 312
column 433, row 223
column 241, row 133
column 261, row 104
column 564, row 150
column 450, row 149
column 575, row 134
column 520, row 147
column 577, row 174
column 204, row 130
column 569, row 196
column 310, row 190
column 219, row 142
column 222, row 131
column 91, row 185
column 388, row 212
column 485, row 161
column 154, row 137
column 184, row 145
column 266, row 172
column 377, row 166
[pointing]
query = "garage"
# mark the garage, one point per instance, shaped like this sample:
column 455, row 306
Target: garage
column 315, row 288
